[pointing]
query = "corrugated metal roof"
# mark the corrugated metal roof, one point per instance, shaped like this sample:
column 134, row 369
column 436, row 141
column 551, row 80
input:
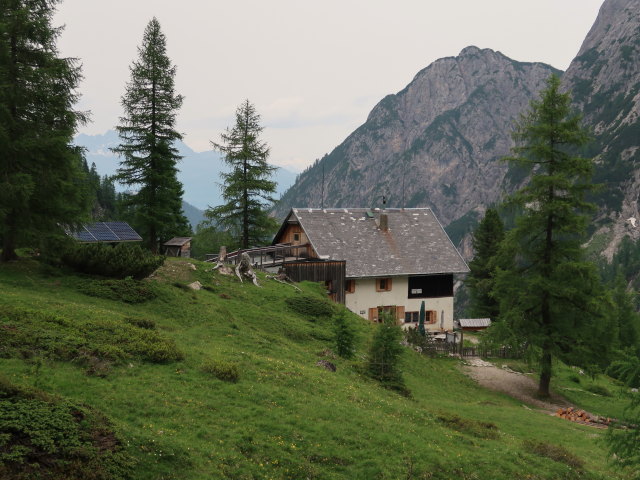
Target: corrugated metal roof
column 474, row 322
column 414, row 244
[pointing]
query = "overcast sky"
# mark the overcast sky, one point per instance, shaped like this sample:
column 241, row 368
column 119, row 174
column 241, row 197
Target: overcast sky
column 314, row 70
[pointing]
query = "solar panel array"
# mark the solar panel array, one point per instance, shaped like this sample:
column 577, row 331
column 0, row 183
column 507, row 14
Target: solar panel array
column 106, row 232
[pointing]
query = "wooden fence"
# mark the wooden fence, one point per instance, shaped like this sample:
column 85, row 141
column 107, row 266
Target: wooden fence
column 444, row 348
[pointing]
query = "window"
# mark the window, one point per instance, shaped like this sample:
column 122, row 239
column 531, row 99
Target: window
column 430, row 317
column 375, row 314
column 296, row 237
column 411, row 317
column 350, row 286
column 383, row 285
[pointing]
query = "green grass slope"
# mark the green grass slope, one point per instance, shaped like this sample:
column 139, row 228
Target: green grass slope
column 223, row 383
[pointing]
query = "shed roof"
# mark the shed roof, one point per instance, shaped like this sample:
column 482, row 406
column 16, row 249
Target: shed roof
column 108, row 232
column 177, row 241
column 474, row 322
column 414, row 244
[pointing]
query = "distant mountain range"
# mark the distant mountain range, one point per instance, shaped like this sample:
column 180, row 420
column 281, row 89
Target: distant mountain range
column 437, row 143
column 199, row 171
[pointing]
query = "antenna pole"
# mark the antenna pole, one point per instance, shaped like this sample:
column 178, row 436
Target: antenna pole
column 322, row 195
column 404, row 161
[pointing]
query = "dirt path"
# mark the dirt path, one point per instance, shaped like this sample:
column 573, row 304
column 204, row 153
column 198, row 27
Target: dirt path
column 517, row 385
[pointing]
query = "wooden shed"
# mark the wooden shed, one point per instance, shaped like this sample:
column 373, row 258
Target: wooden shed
column 474, row 324
column 178, row 247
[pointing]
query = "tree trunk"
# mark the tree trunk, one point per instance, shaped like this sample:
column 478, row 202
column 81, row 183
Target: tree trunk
column 9, row 246
column 545, row 373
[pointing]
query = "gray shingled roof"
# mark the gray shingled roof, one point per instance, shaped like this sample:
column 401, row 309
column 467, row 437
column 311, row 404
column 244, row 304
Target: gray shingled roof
column 414, row 244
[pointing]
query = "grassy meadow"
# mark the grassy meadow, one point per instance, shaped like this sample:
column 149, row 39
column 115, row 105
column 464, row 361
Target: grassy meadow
column 223, row 383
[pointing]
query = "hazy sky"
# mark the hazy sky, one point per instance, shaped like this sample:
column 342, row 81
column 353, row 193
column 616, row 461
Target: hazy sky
column 314, row 70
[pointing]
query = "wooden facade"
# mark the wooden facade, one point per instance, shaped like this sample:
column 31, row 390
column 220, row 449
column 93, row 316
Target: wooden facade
column 331, row 272
column 294, row 235
column 178, row 247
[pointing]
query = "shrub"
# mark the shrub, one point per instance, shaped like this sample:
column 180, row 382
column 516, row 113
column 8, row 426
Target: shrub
column 344, row 336
column 127, row 290
column 472, row 427
column 45, row 438
column 141, row 323
column 225, row 371
column 310, row 306
column 598, row 390
column 30, row 333
column 123, row 260
column 554, row 452
column 423, row 343
column 574, row 378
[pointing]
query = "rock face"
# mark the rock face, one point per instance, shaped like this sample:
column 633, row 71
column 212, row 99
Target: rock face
column 437, row 143
column 605, row 83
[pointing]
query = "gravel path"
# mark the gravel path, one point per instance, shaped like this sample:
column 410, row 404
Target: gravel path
column 517, row 385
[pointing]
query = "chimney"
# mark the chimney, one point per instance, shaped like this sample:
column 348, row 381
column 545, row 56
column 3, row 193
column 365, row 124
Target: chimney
column 384, row 222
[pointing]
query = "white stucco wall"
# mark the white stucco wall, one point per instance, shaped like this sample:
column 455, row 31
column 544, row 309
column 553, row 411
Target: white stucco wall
column 365, row 297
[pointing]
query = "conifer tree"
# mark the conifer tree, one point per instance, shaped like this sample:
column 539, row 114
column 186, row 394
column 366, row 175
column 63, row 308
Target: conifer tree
column 552, row 296
column 480, row 281
column 385, row 353
column 248, row 187
column 344, row 336
column 41, row 173
column 147, row 133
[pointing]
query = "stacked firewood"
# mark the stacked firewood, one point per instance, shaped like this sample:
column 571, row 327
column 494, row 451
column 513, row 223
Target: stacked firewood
column 580, row 416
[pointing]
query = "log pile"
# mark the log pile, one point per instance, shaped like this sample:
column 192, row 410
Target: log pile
column 580, row 416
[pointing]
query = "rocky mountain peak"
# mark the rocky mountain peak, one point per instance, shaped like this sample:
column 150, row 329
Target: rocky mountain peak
column 434, row 143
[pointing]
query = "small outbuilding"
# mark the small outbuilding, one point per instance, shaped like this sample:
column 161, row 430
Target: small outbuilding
column 178, row 247
column 474, row 324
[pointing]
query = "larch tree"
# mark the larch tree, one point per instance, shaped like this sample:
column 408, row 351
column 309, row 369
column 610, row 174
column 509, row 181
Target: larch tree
column 486, row 241
column 147, row 134
column 551, row 297
column 247, row 187
column 41, row 175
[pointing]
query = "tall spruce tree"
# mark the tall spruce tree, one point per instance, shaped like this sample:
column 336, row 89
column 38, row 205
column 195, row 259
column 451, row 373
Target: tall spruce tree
column 41, row 176
column 147, row 133
column 552, row 296
column 248, row 187
column 481, row 279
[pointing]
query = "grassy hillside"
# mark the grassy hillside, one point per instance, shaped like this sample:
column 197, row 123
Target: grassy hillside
column 152, row 368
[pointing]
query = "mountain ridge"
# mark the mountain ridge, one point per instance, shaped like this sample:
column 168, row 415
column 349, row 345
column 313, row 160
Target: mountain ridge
column 436, row 142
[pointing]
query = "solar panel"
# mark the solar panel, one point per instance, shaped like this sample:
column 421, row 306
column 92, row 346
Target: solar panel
column 106, row 232
column 123, row 231
column 102, row 232
column 84, row 235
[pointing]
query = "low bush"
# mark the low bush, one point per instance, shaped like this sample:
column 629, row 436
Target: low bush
column 225, row 371
column 574, row 378
column 141, row 323
column 123, row 260
column 554, row 452
column 310, row 306
column 126, row 290
column 472, row 427
column 44, row 438
column 598, row 390
column 29, row 333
